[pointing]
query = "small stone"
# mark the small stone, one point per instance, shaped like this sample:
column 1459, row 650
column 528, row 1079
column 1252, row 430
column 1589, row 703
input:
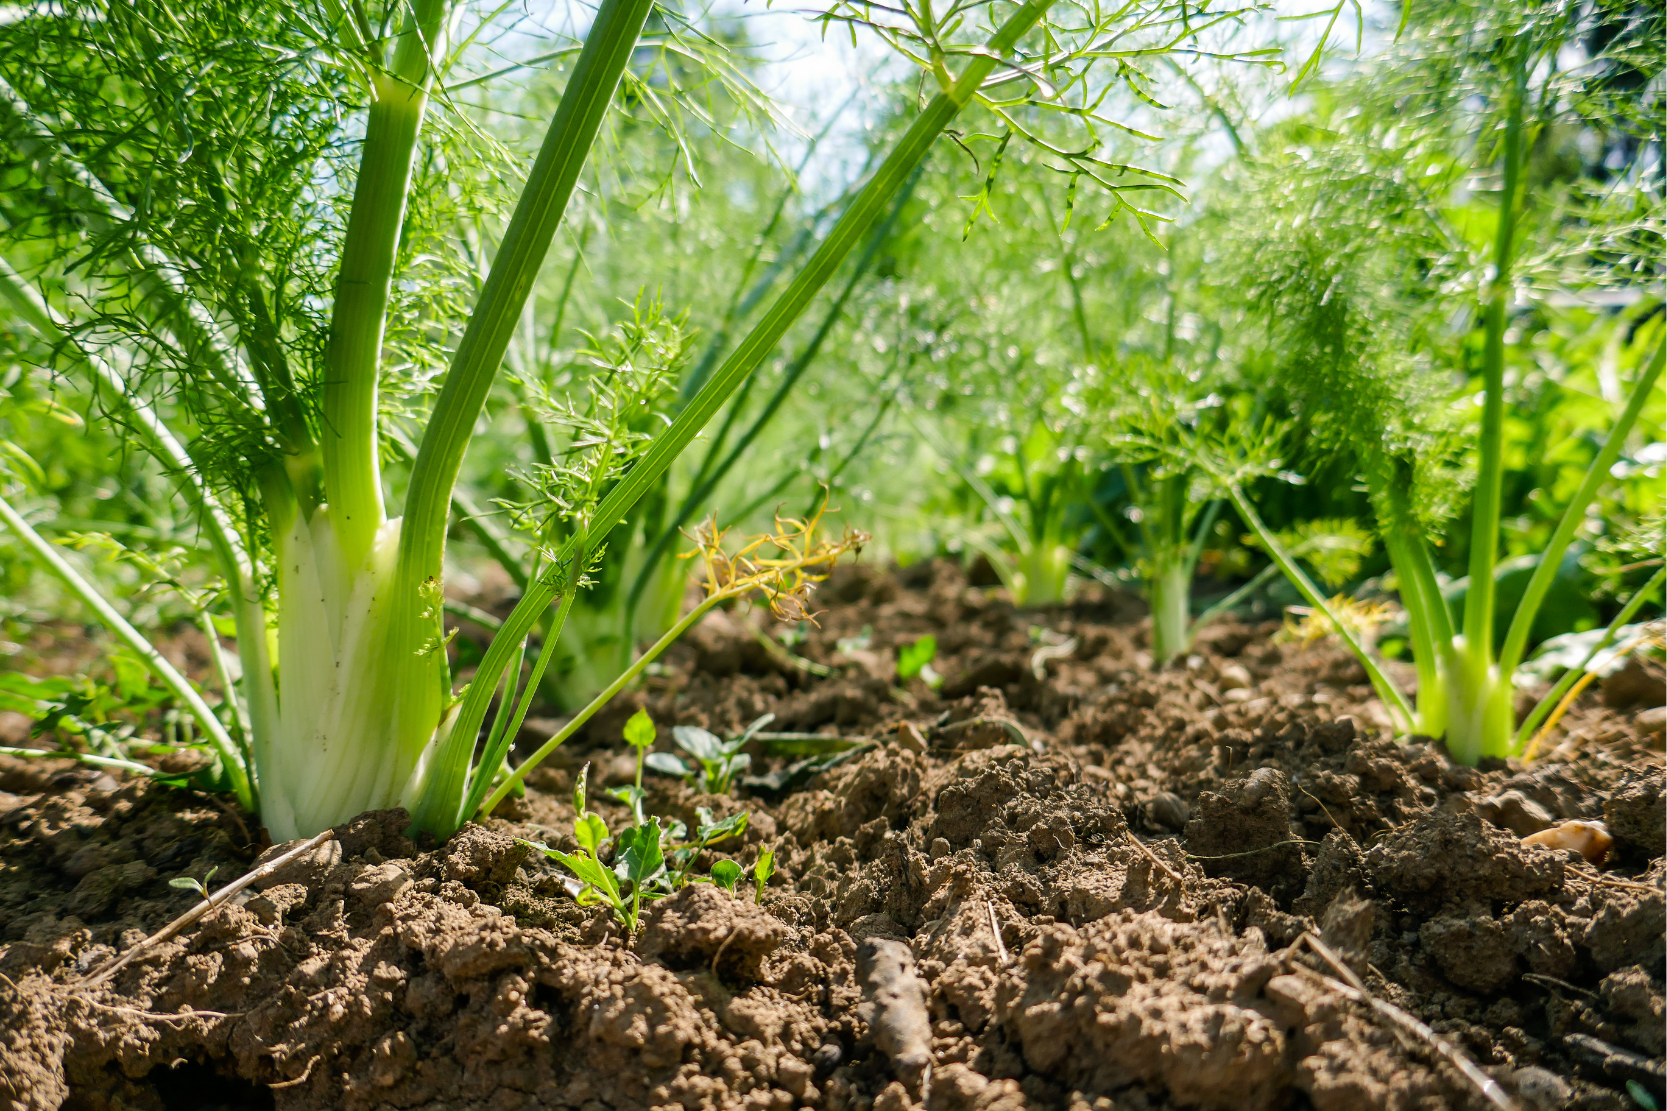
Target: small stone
column 1541, row 1089
column 381, row 884
column 827, row 1058
column 1168, row 810
column 1590, row 839
column 1516, row 812
column 1234, row 676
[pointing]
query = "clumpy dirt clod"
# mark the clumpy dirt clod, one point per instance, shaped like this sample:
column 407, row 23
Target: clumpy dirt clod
column 1061, row 881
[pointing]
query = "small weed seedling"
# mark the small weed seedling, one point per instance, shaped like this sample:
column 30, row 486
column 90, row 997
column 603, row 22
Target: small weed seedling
column 726, row 873
column 762, row 870
column 916, row 659
column 708, row 833
column 650, row 860
column 638, row 859
column 191, row 883
column 720, row 760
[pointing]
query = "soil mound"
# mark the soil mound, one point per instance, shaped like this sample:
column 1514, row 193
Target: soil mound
column 1071, row 881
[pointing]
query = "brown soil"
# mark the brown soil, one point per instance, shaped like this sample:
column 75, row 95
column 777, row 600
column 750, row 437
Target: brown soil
column 1149, row 854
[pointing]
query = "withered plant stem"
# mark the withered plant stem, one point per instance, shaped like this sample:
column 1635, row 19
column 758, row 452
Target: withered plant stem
column 116, row 964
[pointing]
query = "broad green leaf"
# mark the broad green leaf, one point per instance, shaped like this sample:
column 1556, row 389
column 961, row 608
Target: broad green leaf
column 640, row 856
column 725, row 873
column 591, row 872
column 666, row 764
column 590, row 831
column 640, row 731
column 698, row 743
column 712, row 832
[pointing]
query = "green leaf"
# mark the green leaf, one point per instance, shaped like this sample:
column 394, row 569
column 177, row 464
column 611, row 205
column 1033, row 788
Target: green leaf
column 912, row 658
column 762, row 870
column 631, row 795
column 667, row 764
column 132, row 674
column 590, row 871
column 640, row 731
column 590, row 831
column 640, row 858
column 712, row 832
column 725, row 873
column 698, row 743
column 747, row 735
column 185, row 883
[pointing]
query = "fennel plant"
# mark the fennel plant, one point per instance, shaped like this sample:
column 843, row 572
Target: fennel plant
column 1363, row 259
column 261, row 282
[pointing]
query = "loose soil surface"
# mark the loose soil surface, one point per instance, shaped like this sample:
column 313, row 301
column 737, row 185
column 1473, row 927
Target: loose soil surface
column 1076, row 882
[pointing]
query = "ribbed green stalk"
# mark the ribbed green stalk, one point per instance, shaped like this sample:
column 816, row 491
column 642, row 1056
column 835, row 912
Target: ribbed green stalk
column 1044, row 570
column 707, row 481
column 480, row 808
column 358, row 318
column 1385, row 687
column 1570, row 677
column 437, row 791
column 1479, row 713
column 1430, row 636
column 856, row 221
column 443, row 790
column 498, row 745
column 1169, row 593
column 1516, row 640
column 1484, row 529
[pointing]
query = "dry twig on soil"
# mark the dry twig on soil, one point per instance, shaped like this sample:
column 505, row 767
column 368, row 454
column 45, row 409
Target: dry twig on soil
column 1153, row 857
column 995, row 928
column 115, row 965
column 1351, row 987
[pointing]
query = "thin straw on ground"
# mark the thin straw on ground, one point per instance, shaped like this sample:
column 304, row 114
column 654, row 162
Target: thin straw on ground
column 116, row 964
column 1354, row 989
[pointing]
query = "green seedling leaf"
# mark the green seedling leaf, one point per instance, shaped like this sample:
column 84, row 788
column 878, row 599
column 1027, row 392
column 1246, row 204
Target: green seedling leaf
column 667, row 763
column 590, row 831
column 189, row 883
column 700, row 744
column 640, row 731
column 762, row 870
column 1640, row 1094
column 600, row 885
column 579, row 789
column 593, row 874
column 725, row 873
column 751, row 731
column 631, row 795
column 640, row 857
column 911, row 659
column 712, row 832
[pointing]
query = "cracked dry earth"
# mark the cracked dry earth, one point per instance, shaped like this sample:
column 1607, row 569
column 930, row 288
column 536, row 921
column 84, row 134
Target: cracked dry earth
column 1106, row 916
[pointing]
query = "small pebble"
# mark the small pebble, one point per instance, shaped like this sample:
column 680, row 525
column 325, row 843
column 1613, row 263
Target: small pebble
column 1590, row 839
column 827, row 1058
